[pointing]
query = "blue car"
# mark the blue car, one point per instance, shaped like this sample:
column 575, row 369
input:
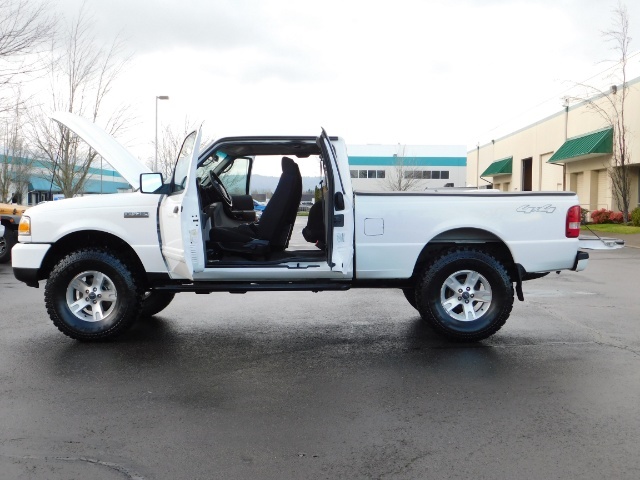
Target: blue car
column 258, row 207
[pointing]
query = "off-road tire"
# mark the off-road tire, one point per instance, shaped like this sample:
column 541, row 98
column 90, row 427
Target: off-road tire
column 106, row 276
column 6, row 244
column 410, row 295
column 481, row 302
column 155, row 301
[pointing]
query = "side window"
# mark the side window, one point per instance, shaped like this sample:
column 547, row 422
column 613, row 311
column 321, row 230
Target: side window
column 236, row 176
column 183, row 162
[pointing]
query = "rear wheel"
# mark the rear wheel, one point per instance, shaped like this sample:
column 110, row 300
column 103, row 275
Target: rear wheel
column 92, row 295
column 465, row 295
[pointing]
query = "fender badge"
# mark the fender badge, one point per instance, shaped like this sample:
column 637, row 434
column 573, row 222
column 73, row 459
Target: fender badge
column 136, row 214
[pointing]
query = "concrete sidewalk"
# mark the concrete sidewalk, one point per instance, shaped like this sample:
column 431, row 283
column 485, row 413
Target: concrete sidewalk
column 631, row 239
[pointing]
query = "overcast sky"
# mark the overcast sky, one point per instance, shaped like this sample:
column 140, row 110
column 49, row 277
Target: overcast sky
column 411, row 72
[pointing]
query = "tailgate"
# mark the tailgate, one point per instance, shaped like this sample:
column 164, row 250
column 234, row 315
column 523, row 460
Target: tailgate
column 591, row 242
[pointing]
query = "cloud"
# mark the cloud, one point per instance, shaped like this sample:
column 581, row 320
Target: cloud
column 406, row 71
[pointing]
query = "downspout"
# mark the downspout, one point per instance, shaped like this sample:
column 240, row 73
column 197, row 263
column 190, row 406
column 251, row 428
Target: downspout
column 566, row 130
column 478, row 165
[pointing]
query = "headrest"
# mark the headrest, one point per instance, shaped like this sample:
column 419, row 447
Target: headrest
column 288, row 165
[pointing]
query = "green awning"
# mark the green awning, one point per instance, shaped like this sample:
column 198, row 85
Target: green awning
column 585, row 146
column 499, row 167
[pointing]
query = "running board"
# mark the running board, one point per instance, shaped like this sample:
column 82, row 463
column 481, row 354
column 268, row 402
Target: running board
column 209, row 287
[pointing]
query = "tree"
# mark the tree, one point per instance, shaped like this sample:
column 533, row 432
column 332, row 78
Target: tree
column 16, row 163
column 169, row 144
column 610, row 104
column 81, row 74
column 25, row 28
column 404, row 176
column 620, row 172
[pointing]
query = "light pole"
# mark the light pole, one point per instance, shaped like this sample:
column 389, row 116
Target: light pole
column 155, row 163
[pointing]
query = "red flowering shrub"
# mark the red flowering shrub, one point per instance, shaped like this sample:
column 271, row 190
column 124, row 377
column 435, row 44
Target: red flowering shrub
column 616, row 217
column 606, row 216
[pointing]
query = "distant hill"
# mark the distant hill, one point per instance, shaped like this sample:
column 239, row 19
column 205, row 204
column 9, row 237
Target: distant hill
column 263, row 183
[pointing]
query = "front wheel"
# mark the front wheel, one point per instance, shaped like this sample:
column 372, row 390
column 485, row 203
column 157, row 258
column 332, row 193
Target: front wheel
column 465, row 295
column 92, row 295
column 410, row 295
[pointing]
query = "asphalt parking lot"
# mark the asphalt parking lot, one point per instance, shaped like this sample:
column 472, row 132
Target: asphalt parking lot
column 330, row 385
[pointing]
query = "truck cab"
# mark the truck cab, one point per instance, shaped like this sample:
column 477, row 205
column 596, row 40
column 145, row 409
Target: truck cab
column 207, row 224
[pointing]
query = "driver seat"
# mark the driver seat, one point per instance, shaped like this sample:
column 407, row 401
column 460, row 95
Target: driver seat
column 273, row 232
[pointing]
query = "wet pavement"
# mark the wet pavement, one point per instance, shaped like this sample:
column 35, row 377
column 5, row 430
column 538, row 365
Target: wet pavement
column 330, row 385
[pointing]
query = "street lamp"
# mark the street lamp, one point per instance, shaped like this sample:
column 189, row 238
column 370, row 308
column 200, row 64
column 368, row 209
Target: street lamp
column 155, row 163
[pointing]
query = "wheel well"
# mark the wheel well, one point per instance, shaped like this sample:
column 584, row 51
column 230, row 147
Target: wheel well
column 466, row 237
column 87, row 239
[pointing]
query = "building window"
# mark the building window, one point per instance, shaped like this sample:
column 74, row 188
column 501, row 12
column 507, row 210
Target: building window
column 368, row 173
column 413, row 174
column 426, row 174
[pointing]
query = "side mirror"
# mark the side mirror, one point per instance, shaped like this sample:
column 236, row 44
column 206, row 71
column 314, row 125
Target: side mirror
column 150, row 182
column 338, row 201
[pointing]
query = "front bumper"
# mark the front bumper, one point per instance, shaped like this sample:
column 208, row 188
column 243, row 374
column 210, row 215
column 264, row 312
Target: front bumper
column 26, row 260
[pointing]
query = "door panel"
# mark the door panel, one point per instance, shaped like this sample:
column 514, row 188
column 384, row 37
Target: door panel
column 180, row 222
column 339, row 223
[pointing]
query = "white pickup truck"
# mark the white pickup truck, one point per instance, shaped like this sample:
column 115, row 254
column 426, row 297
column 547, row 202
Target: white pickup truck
column 108, row 259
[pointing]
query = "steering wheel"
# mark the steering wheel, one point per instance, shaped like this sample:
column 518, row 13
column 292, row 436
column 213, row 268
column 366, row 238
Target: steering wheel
column 220, row 189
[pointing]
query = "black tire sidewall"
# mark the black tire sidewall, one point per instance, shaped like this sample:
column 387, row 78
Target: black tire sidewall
column 431, row 308
column 155, row 302
column 10, row 239
column 410, row 295
column 127, row 306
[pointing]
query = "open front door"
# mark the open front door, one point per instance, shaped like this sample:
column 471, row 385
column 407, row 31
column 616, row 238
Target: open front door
column 180, row 222
column 338, row 212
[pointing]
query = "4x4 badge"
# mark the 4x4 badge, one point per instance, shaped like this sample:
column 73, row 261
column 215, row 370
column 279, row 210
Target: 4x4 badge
column 530, row 209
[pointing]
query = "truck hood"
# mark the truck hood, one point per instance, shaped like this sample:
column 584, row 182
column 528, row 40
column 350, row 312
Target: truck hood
column 95, row 201
column 109, row 148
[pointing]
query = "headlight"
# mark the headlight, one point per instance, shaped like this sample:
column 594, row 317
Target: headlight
column 25, row 226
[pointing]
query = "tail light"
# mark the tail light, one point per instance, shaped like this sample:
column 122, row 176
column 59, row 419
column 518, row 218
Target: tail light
column 573, row 222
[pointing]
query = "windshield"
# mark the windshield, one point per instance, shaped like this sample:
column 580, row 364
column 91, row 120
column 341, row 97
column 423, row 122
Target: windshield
column 209, row 163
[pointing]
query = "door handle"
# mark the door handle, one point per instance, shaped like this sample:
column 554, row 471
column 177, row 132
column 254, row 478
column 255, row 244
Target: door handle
column 175, row 209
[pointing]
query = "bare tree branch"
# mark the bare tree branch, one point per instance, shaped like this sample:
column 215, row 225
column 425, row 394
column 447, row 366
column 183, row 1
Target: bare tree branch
column 81, row 75
column 25, row 29
column 16, row 162
column 169, row 143
column 610, row 105
column 404, row 176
